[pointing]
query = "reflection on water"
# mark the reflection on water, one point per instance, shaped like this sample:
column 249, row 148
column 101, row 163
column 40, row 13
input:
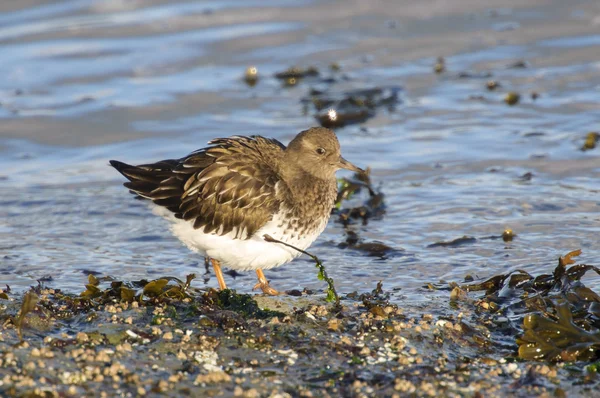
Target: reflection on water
column 139, row 83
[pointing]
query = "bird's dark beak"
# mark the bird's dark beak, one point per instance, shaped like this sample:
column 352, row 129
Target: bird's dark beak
column 344, row 164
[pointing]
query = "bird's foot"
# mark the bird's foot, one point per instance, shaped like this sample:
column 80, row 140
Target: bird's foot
column 264, row 286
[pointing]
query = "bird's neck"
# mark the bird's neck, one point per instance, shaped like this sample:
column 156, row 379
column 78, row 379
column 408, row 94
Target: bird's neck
column 311, row 196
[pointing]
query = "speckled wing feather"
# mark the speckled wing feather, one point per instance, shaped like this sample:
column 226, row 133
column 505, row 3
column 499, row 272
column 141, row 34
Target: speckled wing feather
column 228, row 187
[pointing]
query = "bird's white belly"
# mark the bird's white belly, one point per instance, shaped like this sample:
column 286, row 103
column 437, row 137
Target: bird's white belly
column 250, row 254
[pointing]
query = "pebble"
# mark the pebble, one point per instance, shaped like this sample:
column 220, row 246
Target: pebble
column 82, row 337
column 212, row 378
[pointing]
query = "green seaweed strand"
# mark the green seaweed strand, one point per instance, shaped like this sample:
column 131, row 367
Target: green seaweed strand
column 332, row 295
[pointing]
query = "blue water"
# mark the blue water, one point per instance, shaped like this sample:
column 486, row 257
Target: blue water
column 84, row 82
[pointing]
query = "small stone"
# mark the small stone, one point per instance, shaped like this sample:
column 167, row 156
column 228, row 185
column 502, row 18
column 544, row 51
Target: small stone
column 162, row 386
column 251, row 393
column 213, row 378
column 334, row 324
column 458, row 294
column 168, row 336
column 82, row 337
column 345, row 340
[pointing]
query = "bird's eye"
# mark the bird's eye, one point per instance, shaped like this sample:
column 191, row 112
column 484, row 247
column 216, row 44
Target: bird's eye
column 321, row 151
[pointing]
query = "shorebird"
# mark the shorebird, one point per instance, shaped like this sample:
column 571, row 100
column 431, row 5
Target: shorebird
column 246, row 203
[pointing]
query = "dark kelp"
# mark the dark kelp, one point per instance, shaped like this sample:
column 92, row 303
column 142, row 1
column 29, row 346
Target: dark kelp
column 373, row 206
column 554, row 315
column 463, row 240
column 351, row 107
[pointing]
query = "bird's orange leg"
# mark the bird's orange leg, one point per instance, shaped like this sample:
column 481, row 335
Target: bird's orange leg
column 263, row 284
column 217, row 266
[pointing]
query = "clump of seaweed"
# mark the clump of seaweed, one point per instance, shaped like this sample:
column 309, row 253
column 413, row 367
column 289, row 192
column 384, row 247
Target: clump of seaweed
column 167, row 287
column 556, row 317
column 351, row 107
column 591, row 140
column 374, row 206
column 100, row 294
column 507, row 236
column 374, row 248
column 243, row 304
column 463, row 240
column 294, row 75
column 295, row 72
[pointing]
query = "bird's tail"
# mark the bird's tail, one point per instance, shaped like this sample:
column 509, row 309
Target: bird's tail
column 146, row 178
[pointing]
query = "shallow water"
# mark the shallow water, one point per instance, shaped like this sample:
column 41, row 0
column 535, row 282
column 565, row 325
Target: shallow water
column 84, row 82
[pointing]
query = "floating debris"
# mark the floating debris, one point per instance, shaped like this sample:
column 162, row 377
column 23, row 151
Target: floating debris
column 526, row 177
column 351, row 107
column 508, row 235
column 464, row 240
column 520, row 64
column 535, row 95
column 374, row 248
column 591, row 140
column 512, row 98
column 440, row 66
column 297, row 73
column 335, row 67
column 474, row 75
column 492, row 85
column 251, row 76
column 346, row 118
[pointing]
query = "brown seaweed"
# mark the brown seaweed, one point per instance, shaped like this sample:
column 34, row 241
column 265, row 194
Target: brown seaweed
column 333, row 109
column 463, row 240
column 554, row 315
